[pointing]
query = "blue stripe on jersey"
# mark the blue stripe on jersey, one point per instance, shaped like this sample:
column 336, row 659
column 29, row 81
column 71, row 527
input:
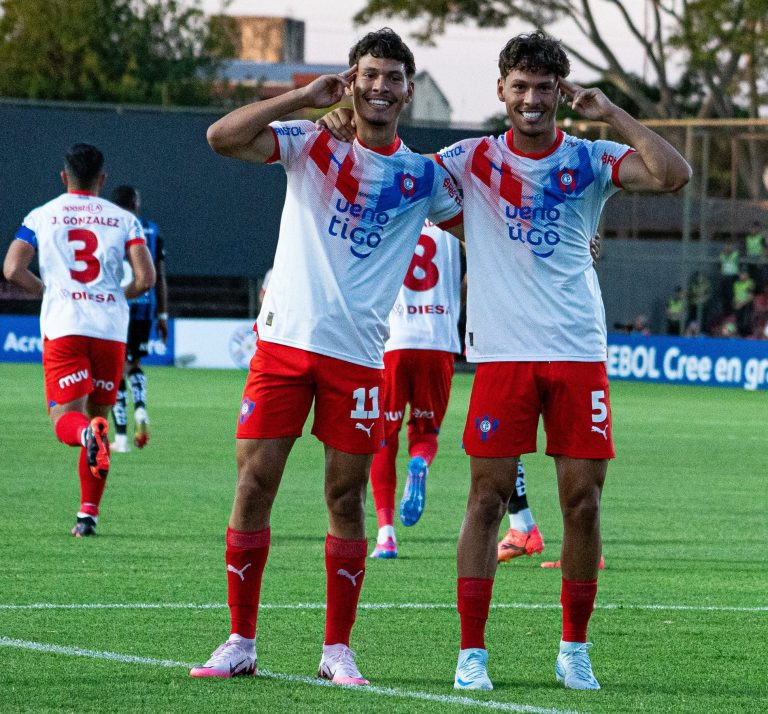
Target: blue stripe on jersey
column 407, row 186
column 27, row 235
column 569, row 181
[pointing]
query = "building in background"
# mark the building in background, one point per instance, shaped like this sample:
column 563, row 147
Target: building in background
column 270, row 61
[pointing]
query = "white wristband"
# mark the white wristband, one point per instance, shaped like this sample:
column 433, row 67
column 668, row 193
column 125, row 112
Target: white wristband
column 162, row 316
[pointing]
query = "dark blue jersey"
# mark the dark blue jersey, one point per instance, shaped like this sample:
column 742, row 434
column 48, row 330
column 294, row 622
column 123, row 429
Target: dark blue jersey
column 144, row 307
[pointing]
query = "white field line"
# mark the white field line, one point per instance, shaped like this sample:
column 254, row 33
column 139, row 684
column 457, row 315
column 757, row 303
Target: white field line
column 369, row 690
column 365, row 606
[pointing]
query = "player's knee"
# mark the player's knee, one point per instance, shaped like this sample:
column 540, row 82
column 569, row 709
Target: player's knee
column 255, row 485
column 346, row 505
column 488, row 506
column 583, row 510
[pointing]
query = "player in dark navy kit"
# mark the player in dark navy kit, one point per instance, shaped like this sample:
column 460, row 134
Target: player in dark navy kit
column 144, row 310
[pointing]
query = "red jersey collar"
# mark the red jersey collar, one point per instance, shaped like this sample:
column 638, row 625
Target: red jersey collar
column 509, row 138
column 82, row 193
column 383, row 150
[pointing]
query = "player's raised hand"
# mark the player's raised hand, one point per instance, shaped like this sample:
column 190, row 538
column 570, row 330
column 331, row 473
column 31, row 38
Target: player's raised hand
column 328, row 89
column 591, row 103
column 340, row 123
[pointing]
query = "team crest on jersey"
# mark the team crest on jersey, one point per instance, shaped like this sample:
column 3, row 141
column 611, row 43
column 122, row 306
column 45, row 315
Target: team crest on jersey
column 567, row 180
column 486, row 426
column 246, row 409
column 407, row 185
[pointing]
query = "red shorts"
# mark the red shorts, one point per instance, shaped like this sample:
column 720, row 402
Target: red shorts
column 282, row 383
column 421, row 378
column 507, row 398
column 74, row 366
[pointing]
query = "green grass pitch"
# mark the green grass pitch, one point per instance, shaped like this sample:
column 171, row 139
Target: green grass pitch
column 682, row 617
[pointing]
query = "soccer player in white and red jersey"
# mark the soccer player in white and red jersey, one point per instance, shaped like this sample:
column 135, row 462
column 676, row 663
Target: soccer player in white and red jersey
column 536, row 326
column 418, row 367
column 81, row 240
column 352, row 217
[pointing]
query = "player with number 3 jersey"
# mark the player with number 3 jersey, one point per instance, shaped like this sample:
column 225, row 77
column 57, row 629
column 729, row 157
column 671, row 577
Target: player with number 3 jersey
column 81, row 241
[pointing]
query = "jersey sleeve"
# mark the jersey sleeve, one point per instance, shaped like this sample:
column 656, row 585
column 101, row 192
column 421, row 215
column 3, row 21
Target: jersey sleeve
column 453, row 158
column 290, row 138
column 27, row 231
column 607, row 157
column 135, row 233
column 446, row 208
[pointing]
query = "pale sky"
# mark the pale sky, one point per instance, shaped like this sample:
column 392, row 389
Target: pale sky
column 464, row 62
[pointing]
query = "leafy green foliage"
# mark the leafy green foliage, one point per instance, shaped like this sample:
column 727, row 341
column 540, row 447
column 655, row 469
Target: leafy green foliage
column 148, row 51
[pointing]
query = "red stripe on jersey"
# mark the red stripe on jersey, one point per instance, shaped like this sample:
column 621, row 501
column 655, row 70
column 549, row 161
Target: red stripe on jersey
column 320, row 153
column 135, row 241
column 615, row 169
column 510, row 188
column 346, row 183
column 481, row 165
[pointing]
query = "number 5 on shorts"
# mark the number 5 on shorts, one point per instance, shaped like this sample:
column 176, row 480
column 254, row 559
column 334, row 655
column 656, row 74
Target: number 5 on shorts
column 599, row 410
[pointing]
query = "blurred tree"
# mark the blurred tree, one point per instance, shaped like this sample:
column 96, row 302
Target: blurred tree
column 149, row 51
column 723, row 45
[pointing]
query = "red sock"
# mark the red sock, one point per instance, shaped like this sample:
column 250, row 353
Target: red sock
column 578, row 600
column 474, row 598
column 424, row 445
column 69, row 428
column 384, row 481
column 91, row 488
column 246, row 555
column 345, row 570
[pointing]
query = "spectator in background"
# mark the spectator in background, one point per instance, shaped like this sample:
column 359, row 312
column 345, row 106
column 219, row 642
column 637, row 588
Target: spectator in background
column 754, row 247
column 729, row 272
column 743, row 294
column 144, row 310
column 760, row 314
column 674, row 312
column 700, row 291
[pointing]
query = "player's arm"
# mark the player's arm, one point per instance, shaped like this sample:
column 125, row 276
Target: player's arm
column 161, row 293
column 143, row 270
column 245, row 134
column 16, row 268
column 655, row 165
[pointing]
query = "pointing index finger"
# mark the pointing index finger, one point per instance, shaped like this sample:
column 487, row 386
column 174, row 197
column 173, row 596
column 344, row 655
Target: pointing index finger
column 568, row 88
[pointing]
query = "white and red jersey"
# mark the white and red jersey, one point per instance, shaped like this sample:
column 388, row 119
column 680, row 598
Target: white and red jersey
column 533, row 293
column 426, row 312
column 350, row 224
column 81, row 241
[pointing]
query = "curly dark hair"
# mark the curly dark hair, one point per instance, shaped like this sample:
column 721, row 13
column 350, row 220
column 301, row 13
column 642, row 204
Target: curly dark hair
column 384, row 44
column 532, row 53
column 84, row 163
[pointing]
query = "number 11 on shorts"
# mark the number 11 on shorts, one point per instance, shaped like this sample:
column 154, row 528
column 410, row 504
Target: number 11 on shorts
column 360, row 412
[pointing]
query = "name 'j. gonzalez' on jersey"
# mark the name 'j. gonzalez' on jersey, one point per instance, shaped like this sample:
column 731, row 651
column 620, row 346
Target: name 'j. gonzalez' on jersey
column 533, row 292
column 426, row 313
column 81, row 241
column 350, row 224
